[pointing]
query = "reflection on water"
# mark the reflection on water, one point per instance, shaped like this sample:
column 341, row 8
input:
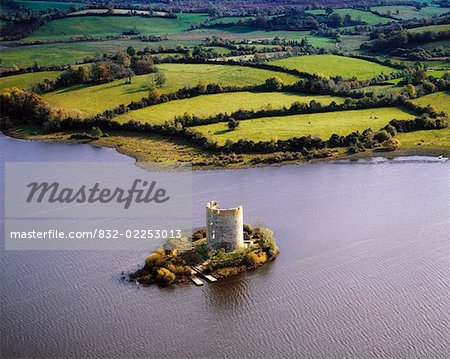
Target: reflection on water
column 362, row 273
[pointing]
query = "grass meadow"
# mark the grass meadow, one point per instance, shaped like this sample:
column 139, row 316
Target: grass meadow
column 333, row 65
column 432, row 139
column 249, row 33
column 98, row 26
column 361, row 15
column 70, row 53
column 403, row 12
column 431, row 28
column 207, row 105
column 317, row 124
column 439, row 100
column 26, row 80
column 91, row 100
column 41, row 5
column 229, row 20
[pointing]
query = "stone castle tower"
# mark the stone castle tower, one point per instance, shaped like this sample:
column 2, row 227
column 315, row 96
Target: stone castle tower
column 224, row 227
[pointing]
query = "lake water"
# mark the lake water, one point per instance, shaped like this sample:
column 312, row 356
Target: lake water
column 363, row 272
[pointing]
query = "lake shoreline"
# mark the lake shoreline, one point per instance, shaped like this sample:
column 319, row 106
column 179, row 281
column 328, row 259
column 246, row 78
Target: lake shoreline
column 368, row 154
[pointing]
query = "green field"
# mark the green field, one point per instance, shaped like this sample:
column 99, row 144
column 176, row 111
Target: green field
column 402, row 12
column 250, row 33
column 366, row 16
column 218, row 49
column 229, row 20
column 91, row 100
column 207, row 105
column 390, row 86
column 317, row 124
column 70, row 53
column 436, row 73
column 431, row 139
column 41, row 5
column 360, row 15
column 26, row 80
column 98, row 26
column 333, row 65
column 432, row 28
column 439, row 100
column 352, row 42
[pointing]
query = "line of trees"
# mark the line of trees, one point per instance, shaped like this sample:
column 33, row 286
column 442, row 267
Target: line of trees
column 28, row 106
column 295, row 108
column 314, row 85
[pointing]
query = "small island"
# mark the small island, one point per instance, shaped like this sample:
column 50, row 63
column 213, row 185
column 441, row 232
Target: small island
column 225, row 247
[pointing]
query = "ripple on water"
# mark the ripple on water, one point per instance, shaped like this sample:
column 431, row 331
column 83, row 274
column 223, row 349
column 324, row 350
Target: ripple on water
column 362, row 273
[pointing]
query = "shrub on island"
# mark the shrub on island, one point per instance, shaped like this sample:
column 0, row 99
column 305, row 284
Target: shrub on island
column 166, row 267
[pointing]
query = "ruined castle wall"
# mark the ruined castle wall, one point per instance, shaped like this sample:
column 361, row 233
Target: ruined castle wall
column 224, row 227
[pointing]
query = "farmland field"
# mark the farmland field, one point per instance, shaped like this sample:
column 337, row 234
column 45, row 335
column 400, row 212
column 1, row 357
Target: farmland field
column 41, row 5
column 434, row 139
column 207, row 105
column 250, row 33
column 98, row 26
column 440, row 101
column 359, row 15
column 229, row 20
column 182, row 52
column 219, row 49
column 431, row 28
column 317, row 124
column 410, row 12
column 91, row 100
column 70, row 53
column 333, row 65
column 26, row 80
column 365, row 16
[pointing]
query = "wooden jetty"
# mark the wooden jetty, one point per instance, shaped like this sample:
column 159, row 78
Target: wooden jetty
column 197, row 281
column 208, row 277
